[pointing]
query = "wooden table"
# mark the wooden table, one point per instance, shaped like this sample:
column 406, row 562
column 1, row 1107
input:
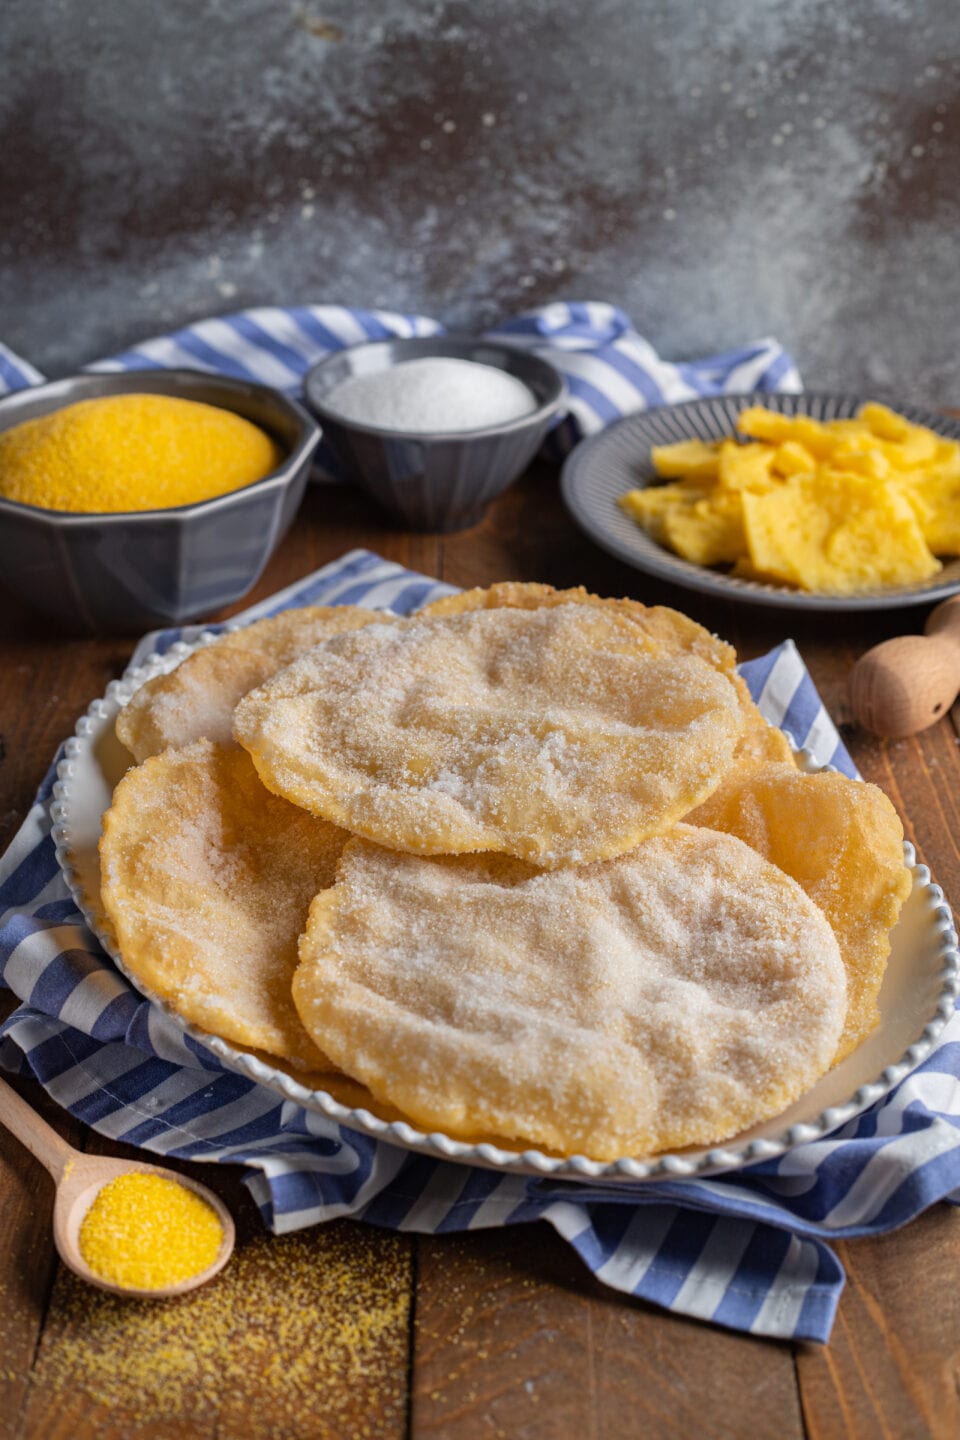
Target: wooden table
column 495, row 1334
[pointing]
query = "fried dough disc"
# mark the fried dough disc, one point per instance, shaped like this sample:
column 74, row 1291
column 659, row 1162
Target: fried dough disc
column 554, row 734
column 207, row 879
column 667, row 998
column 668, row 629
column 197, row 699
column 760, row 742
column 842, row 841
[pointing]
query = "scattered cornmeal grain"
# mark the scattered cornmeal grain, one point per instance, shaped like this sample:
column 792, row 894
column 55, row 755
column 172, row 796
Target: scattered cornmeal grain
column 301, row 1335
column 146, row 1232
column 132, row 452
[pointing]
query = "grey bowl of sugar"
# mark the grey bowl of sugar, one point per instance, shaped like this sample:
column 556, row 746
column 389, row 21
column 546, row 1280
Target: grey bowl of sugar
column 434, row 428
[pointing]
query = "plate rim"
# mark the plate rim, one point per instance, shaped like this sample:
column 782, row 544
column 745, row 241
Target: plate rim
column 662, row 564
column 723, row 1158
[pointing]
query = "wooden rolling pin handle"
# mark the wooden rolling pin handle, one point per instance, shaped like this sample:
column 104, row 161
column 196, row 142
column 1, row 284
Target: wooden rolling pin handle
column 902, row 686
column 945, row 622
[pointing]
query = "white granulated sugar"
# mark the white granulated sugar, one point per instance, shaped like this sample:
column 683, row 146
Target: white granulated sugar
column 438, row 395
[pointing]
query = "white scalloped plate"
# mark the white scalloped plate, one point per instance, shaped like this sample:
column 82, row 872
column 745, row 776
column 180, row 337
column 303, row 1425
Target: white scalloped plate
column 917, row 999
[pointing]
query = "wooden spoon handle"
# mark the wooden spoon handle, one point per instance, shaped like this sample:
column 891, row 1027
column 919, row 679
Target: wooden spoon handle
column 40, row 1139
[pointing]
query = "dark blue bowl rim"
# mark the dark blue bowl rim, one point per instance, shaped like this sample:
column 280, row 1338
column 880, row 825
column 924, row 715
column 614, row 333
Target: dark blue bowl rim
column 277, row 478
column 424, row 347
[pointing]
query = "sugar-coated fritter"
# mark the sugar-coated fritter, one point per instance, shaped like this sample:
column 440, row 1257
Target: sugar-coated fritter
column 842, row 841
column 665, row 629
column 670, row 997
column 207, row 879
column 560, row 735
column 196, row 700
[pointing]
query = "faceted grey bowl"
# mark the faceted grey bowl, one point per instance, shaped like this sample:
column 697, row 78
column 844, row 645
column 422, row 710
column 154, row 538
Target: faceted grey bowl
column 435, row 481
column 132, row 570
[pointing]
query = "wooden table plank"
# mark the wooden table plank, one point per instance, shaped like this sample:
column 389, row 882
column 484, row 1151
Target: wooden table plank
column 28, row 1261
column 515, row 1340
column 892, row 1369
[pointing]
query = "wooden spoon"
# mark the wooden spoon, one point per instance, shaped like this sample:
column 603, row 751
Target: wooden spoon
column 906, row 684
column 80, row 1178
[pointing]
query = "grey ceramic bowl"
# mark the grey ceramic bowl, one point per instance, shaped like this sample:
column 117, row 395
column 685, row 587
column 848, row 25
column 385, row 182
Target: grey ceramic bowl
column 131, row 570
column 435, row 481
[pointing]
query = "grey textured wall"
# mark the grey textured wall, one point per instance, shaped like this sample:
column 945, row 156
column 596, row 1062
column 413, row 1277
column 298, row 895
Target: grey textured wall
column 722, row 171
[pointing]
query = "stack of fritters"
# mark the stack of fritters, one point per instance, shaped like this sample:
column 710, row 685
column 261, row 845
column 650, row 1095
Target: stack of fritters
column 526, row 866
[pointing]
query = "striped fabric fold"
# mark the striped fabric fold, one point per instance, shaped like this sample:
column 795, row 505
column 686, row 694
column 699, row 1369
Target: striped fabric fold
column 750, row 1250
column 610, row 370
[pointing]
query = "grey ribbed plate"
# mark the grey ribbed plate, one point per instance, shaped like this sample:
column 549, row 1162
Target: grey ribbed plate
column 617, row 460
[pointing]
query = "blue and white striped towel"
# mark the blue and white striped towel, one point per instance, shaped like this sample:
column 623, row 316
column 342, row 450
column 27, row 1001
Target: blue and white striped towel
column 610, row 370
column 747, row 1251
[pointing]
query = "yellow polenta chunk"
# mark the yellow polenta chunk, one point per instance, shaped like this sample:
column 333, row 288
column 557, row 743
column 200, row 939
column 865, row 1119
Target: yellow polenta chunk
column 884, row 422
column 836, row 531
column 596, row 1009
column 207, row 879
column 744, row 467
column 671, row 462
column 842, row 841
column 861, row 454
column 132, row 452
column 792, row 458
column 196, row 701
column 763, row 424
column 934, row 495
column 918, row 449
column 651, row 506
column 560, row 734
column 705, row 527
column 708, row 531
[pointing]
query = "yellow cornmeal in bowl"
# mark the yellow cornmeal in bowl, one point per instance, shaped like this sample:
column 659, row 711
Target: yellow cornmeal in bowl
column 132, row 452
column 145, row 1232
